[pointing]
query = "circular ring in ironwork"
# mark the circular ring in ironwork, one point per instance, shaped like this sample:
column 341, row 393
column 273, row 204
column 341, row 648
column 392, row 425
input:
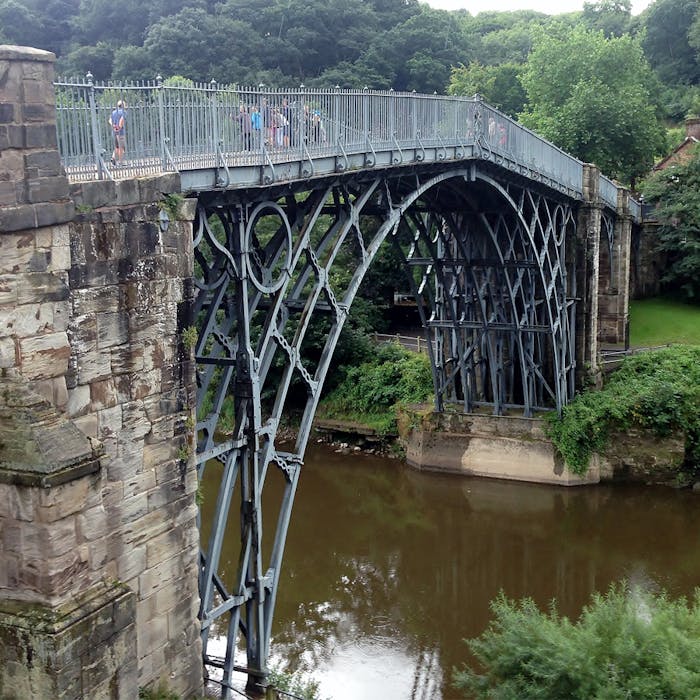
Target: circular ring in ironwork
column 268, row 275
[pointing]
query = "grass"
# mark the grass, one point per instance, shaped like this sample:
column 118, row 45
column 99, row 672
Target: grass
column 660, row 321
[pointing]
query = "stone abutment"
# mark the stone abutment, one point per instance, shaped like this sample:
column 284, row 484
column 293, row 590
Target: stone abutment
column 98, row 535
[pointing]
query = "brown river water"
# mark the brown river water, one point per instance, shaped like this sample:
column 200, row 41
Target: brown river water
column 388, row 569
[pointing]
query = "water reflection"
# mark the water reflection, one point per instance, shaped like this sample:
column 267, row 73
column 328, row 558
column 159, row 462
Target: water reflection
column 388, row 569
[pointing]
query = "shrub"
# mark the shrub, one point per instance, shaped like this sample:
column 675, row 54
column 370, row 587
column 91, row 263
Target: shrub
column 626, row 644
column 659, row 391
column 371, row 391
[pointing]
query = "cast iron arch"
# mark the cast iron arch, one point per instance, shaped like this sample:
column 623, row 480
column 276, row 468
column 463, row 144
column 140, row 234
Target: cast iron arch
column 488, row 281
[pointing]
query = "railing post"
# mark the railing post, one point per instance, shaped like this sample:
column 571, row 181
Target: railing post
column 263, row 123
column 214, row 119
column 336, row 108
column 392, row 114
column 414, row 110
column 302, row 120
column 161, row 121
column 96, row 141
column 365, row 113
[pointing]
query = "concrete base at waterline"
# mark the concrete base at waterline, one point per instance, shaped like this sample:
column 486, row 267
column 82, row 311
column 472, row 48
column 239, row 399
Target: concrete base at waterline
column 86, row 648
column 501, row 447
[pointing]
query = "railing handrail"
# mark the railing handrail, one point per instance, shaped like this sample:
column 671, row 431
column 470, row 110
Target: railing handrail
column 200, row 123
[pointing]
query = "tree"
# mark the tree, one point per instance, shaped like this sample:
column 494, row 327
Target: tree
column 419, row 53
column 612, row 17
column 676, row 194
column 97, row 59
column 592, row 97
column 666, row 42
column 499, row 85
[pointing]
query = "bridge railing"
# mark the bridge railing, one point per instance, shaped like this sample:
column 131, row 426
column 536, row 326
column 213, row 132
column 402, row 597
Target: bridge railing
column 178, row 127
column 608, row 191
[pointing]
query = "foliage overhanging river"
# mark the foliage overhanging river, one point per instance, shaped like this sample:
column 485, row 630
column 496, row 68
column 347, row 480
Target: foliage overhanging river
column 387, row 569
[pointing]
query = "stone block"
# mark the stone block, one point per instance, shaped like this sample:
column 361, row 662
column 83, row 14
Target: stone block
column 26, row 320
column 146, row 384
column 11, row 136
column 40, row 136
column 142, row 482
column 41, row 287
column 47, row 163
column 92, row 523
column 8, row 193
column 134, row 508
column 161, row 453
column 9, row 353
column 103, row 394
column 18, row 218
column 136, row 424
column 131, row 563
column 47, row 189
column 97, row 300
column 45, row 356
column 87, row 424
column 110, row 421
column 93, row 366
column 112, row 329
column 54, row 391
column 8, row 290
column 8, row 113
column 36, row 112
column 127, row 359
column 59, row 258
column 144, row 529
column 43, row 543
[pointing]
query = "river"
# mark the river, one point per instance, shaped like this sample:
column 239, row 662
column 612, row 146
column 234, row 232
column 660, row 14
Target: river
column 387, row 569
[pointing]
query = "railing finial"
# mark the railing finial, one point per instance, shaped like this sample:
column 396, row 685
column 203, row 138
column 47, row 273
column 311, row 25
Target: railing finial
column 89, row 77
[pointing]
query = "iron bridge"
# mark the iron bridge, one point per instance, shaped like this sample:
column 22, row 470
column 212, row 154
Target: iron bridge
column 482, row 213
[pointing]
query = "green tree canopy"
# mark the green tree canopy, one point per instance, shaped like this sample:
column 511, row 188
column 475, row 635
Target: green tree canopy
column 612, row 17
column 666, row 42
column 499, row 85
column 676, row 194
column 592, row 97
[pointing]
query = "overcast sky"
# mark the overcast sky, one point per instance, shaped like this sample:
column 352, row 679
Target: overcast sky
column 552, row 7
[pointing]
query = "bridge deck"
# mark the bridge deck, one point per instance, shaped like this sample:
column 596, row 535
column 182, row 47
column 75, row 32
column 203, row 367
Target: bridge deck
column 208, row 134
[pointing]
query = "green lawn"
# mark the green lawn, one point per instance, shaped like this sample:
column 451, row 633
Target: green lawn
column 661, row 321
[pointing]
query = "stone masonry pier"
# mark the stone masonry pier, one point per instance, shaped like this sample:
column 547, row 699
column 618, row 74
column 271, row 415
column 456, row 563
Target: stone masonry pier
column 98, row 536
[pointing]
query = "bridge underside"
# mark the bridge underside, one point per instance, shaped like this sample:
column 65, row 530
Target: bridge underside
column 490, row 263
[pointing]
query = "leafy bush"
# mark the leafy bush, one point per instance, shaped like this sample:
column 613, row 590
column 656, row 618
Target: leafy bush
column 370, row 391
column 657, row 390
column 626, row 644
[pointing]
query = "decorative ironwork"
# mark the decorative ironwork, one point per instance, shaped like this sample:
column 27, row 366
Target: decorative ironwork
column 488, row 264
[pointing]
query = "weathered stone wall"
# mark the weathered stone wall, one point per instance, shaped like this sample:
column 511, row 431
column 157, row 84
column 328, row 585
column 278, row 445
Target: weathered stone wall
column 587, row 252
column 130, row 385
column 98, row 536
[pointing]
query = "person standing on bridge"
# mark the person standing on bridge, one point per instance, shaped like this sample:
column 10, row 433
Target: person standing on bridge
column 117, row 121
